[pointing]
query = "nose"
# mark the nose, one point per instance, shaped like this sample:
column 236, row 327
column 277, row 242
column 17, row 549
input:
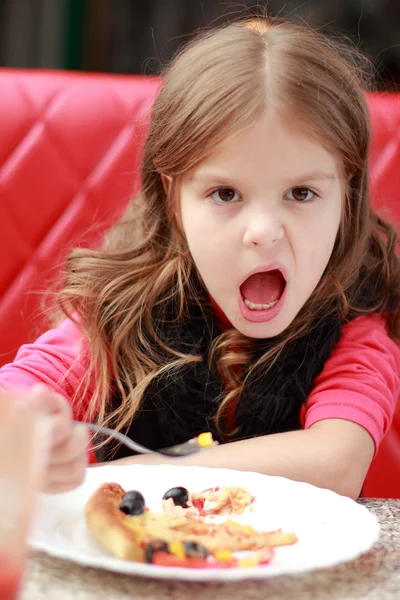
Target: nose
column 263, row 229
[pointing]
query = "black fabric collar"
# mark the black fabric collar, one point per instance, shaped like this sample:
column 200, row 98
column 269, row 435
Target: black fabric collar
column 180, row 406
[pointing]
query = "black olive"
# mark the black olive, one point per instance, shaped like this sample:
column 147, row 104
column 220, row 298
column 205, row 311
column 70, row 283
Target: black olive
column 132, row 503
column 154, row 546
column 179, row 495
column 195, row 550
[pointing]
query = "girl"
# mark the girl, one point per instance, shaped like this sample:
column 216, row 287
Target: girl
column 252, row 291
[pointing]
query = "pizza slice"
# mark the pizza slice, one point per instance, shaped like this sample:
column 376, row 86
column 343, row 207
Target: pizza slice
column 180, row 535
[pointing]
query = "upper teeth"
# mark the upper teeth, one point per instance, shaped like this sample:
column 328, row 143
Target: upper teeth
column 253, row 306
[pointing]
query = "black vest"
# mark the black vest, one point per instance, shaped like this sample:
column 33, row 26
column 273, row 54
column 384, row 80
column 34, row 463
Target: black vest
column 178, row 407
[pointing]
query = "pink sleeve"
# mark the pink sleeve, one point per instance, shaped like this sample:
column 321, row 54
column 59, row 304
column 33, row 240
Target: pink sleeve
column 56, row 360
column 360, row 381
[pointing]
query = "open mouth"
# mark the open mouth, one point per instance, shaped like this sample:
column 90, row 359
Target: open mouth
column 263, row 290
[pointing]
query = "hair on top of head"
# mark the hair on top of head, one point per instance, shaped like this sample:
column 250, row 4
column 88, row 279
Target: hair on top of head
column 256, row 24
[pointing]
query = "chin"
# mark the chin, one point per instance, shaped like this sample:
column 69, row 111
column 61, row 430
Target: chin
column 260, row 330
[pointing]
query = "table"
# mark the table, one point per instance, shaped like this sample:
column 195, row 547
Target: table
column 374, row 576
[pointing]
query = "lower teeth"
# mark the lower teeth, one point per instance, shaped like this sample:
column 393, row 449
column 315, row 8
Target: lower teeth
column 253, row 306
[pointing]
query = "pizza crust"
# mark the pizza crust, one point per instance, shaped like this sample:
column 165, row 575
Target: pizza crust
column 106, row 522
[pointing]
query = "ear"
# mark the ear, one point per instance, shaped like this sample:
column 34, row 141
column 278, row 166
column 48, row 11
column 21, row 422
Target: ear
column 167, row 182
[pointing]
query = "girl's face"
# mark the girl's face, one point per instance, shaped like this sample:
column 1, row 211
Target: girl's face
column 260, row 218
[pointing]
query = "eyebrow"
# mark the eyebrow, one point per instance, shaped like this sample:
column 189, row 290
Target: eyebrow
column 312, row 176
column 205, row 176
column 316, row 175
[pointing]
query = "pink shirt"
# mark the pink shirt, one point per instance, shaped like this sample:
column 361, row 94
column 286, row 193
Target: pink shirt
column 359, row 383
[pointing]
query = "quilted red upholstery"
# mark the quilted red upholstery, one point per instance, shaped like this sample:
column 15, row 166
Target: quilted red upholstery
column 69, row 155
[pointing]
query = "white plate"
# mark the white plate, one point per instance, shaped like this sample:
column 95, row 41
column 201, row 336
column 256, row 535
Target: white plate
column 331, row 528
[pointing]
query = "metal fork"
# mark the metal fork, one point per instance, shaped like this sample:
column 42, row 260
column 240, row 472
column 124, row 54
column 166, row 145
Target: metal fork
column 190, row 447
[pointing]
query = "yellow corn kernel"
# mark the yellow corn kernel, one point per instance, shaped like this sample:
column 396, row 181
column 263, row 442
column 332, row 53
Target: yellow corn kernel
column 205, row 439
column 233, row 524
column 223, row 555
column 251, row 561
column 244, row 529
column 177, row 549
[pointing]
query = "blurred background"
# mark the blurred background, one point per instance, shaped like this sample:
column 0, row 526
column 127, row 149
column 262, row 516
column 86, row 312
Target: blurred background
column 138, row 36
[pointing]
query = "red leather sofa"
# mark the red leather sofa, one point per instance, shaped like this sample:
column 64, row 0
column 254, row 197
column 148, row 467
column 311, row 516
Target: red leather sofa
column 69, row 157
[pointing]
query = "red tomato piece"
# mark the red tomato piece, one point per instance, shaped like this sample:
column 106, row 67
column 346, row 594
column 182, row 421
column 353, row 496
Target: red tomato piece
column 162, row 559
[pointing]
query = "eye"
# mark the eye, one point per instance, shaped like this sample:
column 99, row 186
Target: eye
column 225, row 195
column 301, row 194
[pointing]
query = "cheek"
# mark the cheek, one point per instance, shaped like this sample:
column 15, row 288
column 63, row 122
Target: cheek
column 196, row 232
column 319, row 242
column 320, row 257
column 191, row 224
column 199, row 228
column 208, row 243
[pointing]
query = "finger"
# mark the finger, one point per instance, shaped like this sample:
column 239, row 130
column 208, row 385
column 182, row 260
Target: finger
column 68, row 471
column 60, row 487
column 49, row 401
column 72, row 449
column 57, row 407
column 66, row 477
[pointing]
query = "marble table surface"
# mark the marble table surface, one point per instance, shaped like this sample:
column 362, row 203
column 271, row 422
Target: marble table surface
column 373, row 576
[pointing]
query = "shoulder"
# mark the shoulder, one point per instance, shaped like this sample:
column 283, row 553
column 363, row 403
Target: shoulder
column 367, row 336
column 67, row 339
column 365, row 353
column 59, row 354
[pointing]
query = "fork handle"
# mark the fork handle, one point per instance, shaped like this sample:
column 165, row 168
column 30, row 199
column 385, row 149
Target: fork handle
column 118, row 436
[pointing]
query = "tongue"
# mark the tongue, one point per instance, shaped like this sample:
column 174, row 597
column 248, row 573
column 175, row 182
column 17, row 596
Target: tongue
column 263, row 288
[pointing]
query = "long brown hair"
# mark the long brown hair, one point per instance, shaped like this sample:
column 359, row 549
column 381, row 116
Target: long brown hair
column 217, row 86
